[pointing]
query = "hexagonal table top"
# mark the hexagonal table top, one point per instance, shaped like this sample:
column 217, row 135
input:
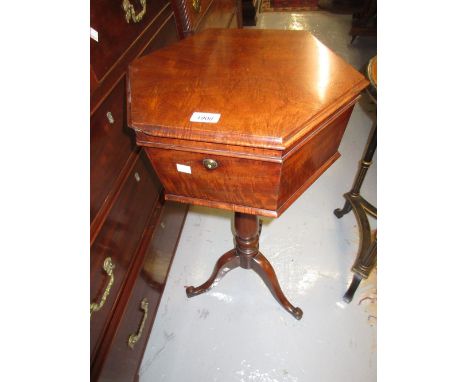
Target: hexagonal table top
column 244, row 87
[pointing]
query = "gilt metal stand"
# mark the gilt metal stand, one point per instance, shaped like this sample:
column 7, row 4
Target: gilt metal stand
column 367, row 254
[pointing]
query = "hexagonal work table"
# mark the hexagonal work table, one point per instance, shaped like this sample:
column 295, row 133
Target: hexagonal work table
column 243, row 120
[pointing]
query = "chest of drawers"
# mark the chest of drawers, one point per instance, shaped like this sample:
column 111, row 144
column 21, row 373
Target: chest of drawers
column 131, row 225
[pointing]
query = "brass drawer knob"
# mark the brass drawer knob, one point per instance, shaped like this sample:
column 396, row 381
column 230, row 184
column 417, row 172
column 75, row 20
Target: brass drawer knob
column 210, row 164
column 110, row 117
column 134, row 338
column 108, row 267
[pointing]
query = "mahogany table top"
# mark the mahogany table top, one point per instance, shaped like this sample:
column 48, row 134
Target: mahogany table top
column 269, row 87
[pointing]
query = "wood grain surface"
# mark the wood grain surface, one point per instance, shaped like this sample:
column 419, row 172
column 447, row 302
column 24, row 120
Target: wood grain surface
column 284, row 99
column 270, row 87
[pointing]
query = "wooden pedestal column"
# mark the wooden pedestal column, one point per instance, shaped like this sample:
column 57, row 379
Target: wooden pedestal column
column 246, row 255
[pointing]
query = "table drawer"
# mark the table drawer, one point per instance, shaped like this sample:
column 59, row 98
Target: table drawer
column 112, row 143
column 118, row 241
column 115, row 34
column 245, row 182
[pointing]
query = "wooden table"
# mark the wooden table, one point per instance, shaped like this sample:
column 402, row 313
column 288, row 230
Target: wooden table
column 243, row 120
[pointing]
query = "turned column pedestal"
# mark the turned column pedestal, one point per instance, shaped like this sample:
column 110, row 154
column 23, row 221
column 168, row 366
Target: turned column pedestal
column 246, row 255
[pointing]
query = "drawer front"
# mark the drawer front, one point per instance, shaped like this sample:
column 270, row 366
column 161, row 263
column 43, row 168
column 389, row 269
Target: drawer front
column 112, row 143
column 129, row 342
column 124, row 357
column 245, row 182
column 118, row 241
column 123, row 361
column 115, row 34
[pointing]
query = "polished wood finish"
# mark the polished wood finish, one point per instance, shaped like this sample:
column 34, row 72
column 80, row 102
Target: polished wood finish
column 113, row 151
column 246, row 255
column 119, row 238
column 284, row 101
column 126, row 195
column 162, row 27
column 162, row 236
column 232, row 182
column 271, row 87
column 287, row 134
column 116, row 36
column 112, row 146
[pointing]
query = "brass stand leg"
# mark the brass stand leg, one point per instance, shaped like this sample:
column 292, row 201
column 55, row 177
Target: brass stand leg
column 246, row 255
column 366, row 161
column 346, row 208
column 367, row 254
column 225, row 263
column 349, row 295
column 362, row 267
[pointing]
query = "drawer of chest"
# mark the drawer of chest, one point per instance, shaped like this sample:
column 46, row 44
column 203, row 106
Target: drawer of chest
column 128, row 345
column 111, row 146
column 114, row 248
column 129, row 342
column 117, row 24
column 224, row 179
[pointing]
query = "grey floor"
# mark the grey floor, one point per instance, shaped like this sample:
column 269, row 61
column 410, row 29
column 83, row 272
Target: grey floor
column 237, row 331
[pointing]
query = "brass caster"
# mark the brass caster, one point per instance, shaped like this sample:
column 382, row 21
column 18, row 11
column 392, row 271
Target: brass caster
column 190, row 291
column 297, row 313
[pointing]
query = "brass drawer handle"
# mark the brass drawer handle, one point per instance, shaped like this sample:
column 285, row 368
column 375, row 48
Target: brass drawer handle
column 134, row 338
column 109, row 269
column 196, row 4
column 210, row 164
column 130, row 11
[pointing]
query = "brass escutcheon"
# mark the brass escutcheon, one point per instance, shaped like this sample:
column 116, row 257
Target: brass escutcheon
column 110, row 117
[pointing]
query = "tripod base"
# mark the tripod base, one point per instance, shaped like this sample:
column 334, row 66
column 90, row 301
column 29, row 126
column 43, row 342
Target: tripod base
column 246, row 255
